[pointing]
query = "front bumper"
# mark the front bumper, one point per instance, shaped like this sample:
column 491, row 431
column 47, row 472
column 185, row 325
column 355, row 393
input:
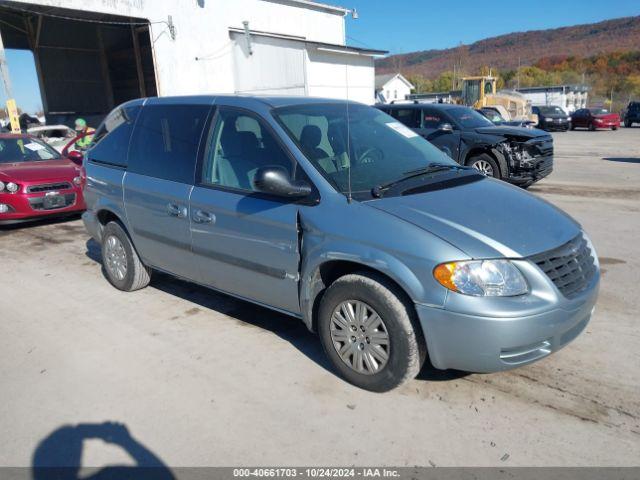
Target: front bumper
column 534, row 171
column 491, row 344
column 606, row 124
column 29, row 206
column 561, row 126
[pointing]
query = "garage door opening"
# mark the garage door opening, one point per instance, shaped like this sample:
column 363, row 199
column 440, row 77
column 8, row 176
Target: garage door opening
column 86, row 62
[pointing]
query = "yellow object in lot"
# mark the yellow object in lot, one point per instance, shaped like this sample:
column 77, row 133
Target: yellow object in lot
column 480, row 91
column 12, row 109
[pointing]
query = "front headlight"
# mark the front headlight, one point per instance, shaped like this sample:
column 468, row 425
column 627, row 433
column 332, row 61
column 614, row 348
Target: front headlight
column 1, row 186
column 11, row 187
column 592, row 248
column 482, row 278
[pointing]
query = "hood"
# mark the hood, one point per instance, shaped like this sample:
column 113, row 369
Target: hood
column 508, row 131
column 39, row 171
column 607, row 116
column 486, row 219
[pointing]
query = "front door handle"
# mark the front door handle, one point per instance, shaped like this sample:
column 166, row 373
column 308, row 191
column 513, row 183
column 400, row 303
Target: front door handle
column 176, row 210
column 200, row 216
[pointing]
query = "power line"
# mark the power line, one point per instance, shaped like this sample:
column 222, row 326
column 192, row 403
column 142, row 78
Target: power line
column 360, row 42
column 76, row 19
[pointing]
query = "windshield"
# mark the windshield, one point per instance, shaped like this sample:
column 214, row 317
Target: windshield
column 494, row 116
column 20, row 149
column 468, row 118
column 599, row 111
column 551, row 111
column 373, row 148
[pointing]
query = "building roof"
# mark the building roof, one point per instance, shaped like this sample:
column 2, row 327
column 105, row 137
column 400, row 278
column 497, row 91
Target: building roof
column 382, row 80
column 314, row 4
column 329, row 47
column 555, row 88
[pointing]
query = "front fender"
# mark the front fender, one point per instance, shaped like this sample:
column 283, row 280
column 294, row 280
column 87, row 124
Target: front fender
column 419, row 286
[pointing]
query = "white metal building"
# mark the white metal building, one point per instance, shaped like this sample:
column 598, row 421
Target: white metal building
column 392, row 87
column 94, row 54
column 568, row 97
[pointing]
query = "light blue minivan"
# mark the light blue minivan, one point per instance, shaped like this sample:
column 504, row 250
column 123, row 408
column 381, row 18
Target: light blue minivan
column 335, row 213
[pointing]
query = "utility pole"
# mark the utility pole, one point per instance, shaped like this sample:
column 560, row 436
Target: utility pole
column 611, row 101
column 518, row 74
column 453, row 78
column 4, row 72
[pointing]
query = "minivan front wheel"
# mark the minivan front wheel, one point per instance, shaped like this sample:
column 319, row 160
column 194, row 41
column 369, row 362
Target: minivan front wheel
column 122, row 265
column 368, row 332
column 485, row 164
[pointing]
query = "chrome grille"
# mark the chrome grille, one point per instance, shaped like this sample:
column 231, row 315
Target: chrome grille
column 49, row 187
column 570, row 267
column 38, row 203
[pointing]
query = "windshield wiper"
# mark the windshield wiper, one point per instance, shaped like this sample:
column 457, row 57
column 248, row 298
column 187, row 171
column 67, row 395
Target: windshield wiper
column 379, row 190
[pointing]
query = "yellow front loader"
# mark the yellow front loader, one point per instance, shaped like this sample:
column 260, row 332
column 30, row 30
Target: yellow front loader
column 480, row 91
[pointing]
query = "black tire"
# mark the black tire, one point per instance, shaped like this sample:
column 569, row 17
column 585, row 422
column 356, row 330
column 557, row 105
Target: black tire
column 572, row 127
column 486, row 159
column 406, row 346
column 614, row 128
column 137, row 275
column 592, row 127
column 627, row 124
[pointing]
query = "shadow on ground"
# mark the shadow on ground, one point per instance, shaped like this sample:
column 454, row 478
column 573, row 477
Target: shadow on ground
column 248, row 314
column 622, row 159
column 59, row 455
column 38, row 223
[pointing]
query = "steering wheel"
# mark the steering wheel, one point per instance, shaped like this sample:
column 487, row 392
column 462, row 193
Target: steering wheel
column 370, row 155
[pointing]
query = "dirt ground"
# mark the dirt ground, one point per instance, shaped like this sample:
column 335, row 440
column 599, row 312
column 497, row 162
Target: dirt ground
column 196, row 378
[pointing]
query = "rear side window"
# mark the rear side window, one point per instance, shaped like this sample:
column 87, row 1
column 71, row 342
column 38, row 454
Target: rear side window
column 111, row 142
column 407, row 116
column 165, row 142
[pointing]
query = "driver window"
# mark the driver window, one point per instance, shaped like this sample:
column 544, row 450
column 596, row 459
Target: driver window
column 238, row 146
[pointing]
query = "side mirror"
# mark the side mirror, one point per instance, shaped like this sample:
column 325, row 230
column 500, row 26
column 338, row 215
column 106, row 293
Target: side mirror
column 76, row 157
column 275, row 180
column 445, row 127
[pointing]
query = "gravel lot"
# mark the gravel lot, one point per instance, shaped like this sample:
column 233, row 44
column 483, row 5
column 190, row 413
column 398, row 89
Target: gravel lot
column 199, row 378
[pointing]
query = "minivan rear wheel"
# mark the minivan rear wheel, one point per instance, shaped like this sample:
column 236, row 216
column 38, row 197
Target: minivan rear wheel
column 368, row 331
column 485, row 164
column 122, row 265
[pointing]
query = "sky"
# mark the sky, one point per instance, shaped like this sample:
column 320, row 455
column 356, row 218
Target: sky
column 401, row 26
column 24, row 81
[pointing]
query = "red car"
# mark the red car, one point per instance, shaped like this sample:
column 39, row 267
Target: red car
column 36, row 181
column 594, row 118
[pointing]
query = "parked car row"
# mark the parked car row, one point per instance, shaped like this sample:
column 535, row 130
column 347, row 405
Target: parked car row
column 553, row 118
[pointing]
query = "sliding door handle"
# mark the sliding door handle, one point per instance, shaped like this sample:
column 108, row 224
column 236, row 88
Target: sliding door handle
column 200, row 216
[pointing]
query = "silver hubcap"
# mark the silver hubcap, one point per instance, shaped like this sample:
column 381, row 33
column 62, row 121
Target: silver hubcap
column 115, row 258
column 483, row 167
column 360, row 337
